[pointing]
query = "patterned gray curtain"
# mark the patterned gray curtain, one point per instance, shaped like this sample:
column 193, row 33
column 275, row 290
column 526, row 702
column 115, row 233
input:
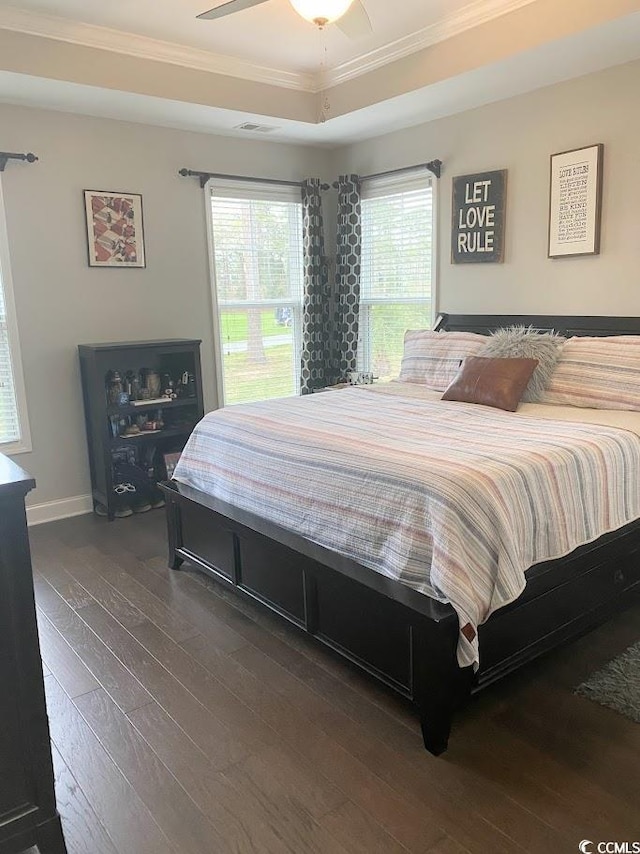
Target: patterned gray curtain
column 316, row 369
column 347, row 293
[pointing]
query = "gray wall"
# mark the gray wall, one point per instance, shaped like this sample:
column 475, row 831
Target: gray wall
column 519, row 135
column 61, row 302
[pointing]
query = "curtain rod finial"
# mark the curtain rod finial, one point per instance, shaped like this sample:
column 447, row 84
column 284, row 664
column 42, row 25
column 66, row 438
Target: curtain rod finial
column 6, row 156
column 435, row 166
column 202, row 176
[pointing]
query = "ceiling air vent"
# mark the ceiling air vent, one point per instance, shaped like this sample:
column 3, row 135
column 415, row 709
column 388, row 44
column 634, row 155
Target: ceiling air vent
column 254, row 128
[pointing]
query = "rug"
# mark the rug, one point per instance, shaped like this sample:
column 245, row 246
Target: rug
column 617, row 684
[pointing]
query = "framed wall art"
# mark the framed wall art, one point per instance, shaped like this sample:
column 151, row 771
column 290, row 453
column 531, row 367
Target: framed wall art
column 115, row 235
column 575, row 202
column 478, row 217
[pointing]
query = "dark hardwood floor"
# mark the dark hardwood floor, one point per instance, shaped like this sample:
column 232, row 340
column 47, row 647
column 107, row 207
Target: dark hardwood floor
column 185, row 721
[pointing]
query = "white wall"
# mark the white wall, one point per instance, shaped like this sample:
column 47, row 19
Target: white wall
column 520, row 134
column 62, row 302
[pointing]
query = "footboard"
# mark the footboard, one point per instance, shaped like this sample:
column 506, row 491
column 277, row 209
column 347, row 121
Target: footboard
column 402, row 638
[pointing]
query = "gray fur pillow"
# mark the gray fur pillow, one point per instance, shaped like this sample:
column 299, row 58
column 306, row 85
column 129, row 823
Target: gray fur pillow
column 522, row 342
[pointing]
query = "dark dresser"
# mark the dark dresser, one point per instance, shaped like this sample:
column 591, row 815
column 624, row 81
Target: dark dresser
column 28, row 814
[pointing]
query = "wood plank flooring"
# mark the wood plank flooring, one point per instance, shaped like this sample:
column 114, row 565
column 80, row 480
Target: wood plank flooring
column 187, row 721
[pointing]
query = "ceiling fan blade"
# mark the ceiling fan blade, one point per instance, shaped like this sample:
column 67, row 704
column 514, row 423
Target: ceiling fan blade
column 356, row 22
column 229, row 8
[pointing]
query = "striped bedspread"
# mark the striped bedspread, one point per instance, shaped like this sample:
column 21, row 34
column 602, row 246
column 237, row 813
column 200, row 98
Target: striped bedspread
column 455, row 500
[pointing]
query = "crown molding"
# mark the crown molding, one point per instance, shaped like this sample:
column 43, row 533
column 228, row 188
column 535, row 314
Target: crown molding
column 144, row 47
column 54, row 27
column 473, row 15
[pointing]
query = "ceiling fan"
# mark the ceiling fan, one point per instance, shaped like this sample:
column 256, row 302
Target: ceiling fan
column 349, row 15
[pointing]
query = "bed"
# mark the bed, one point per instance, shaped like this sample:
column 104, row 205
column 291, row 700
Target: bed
column 402, row 633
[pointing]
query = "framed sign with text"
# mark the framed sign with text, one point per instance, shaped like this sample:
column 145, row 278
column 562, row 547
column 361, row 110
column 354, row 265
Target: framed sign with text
column 478, row 217
column 575, row 202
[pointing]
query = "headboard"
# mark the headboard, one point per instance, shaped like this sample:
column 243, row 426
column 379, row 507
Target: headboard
column 565, row 324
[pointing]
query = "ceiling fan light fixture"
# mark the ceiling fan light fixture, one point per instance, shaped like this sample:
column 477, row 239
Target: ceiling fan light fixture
column 321, row 12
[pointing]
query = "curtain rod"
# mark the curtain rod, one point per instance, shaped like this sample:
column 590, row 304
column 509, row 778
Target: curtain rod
column 5, row 156
column 434, row 166
column 206, row 176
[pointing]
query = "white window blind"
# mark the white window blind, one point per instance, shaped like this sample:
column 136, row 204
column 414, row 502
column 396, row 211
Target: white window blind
column 396, row 285
column 9, row 422
column 256, row 238
column 14, row 432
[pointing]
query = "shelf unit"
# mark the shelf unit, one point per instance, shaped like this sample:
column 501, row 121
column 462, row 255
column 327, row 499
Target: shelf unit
column 171, row 357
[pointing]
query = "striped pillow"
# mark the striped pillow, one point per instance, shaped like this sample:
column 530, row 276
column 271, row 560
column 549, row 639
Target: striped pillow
column 433, row 358
column 599, row 373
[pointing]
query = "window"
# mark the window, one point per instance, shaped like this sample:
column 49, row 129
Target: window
column 397, row 269
column 256, row 241
column 14, row 429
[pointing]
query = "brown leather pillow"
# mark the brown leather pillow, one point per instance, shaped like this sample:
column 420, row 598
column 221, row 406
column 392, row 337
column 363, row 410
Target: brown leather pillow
column 491, row 382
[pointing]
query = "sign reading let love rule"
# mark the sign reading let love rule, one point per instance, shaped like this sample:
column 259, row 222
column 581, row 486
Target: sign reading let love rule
column 479, row 204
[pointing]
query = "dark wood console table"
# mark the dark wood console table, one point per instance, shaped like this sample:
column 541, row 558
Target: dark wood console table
column 28, row 814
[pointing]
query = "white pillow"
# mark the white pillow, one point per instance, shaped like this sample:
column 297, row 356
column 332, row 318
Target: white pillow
column 599, row 373
column 432, row 359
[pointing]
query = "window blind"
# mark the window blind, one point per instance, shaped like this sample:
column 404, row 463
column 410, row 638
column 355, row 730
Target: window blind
column 10, row 421
column 396, row 286
column 257, row 284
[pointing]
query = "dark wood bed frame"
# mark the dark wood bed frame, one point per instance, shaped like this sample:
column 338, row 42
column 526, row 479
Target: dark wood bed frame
column 400, row 636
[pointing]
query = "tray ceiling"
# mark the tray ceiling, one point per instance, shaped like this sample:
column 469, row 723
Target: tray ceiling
column 151, row 61
column 271, row 35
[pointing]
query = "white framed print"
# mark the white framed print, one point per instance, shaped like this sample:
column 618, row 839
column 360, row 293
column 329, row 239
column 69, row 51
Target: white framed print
column 115, row 236
column 575, row 202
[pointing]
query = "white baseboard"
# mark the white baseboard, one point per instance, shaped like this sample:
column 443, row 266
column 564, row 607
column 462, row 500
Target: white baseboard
column 63, row 508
